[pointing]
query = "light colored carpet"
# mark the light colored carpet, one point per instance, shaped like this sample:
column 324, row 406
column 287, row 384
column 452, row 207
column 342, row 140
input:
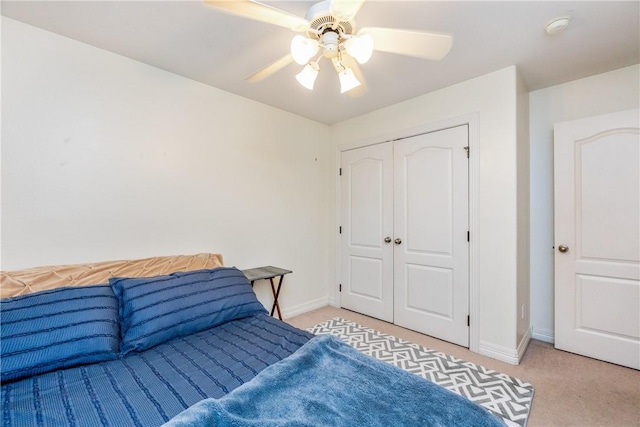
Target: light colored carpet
column 571, row 390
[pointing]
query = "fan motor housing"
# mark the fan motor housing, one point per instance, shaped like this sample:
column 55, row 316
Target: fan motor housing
column 320, row 19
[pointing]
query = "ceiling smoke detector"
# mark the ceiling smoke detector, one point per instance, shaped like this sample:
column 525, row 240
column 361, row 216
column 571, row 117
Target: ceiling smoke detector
column 557, row 25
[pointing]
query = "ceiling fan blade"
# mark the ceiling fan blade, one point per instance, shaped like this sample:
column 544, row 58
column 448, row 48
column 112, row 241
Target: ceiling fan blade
column 261, row 12
column 350, row 62
column 345, row 9
column 411, row 43
column 270, row 69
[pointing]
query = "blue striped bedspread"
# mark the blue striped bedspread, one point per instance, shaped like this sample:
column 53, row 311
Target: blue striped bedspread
column 149, row 388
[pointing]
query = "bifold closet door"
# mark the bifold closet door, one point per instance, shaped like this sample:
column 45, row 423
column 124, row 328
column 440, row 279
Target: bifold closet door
column 431, row 250
column 367, row 231
column 404, row 219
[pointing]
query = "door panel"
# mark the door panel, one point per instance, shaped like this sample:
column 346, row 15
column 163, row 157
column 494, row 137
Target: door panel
column 431, row 264
column 597, row 217
column 366, row 219
column 366, row 214
column 603, row 305
column 428, row 177
column 366, row 277
column 437, row 298
column 601, row 232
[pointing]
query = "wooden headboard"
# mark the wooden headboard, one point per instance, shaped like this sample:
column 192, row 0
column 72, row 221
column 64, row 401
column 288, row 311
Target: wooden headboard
column 22, row 282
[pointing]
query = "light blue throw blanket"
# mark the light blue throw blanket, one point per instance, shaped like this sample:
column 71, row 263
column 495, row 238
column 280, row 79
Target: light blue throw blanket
column 328, row 383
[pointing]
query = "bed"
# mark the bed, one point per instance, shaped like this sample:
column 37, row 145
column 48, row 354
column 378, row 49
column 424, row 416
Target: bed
column 184, row 341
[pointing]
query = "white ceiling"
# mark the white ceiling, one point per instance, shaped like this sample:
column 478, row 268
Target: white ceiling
column 199, row 42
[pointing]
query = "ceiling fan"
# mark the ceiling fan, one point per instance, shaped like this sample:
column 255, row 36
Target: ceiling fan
column 329, row 31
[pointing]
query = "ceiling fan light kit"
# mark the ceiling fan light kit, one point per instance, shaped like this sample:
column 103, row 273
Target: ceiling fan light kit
column 330, row 28
column 360, row 47
column 302, row 49
column 348, row 80
column 307, row 77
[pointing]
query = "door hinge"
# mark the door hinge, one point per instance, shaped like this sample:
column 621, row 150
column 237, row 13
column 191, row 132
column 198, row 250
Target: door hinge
column 467, row 150
column 340, row 229
column 340, row 171
column 340, row 289
column 468, row 320
column 468, row 236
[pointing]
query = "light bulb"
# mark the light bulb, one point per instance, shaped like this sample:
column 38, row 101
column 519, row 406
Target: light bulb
column 360, row 47
column 307, row 77
column 348, row 80
column 303, row 48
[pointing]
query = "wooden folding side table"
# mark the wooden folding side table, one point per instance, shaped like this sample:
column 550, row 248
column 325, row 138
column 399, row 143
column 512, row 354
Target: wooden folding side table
column 269, row 272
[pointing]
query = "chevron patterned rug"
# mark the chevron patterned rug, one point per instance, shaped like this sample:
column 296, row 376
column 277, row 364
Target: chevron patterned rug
column 505, row 396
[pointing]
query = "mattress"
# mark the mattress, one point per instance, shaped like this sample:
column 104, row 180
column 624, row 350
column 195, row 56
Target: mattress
column 149, row 388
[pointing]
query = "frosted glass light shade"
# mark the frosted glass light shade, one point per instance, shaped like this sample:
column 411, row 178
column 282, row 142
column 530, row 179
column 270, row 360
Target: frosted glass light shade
column 303, row 48
column 360, row 47
column 348, row 80
column 307, row 77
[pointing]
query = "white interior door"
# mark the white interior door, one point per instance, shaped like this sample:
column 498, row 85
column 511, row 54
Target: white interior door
column 431, row 217
column 366, row 220
column 597, row 237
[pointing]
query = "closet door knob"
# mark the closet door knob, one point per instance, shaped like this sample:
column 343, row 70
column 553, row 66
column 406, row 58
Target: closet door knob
column 397, row 241
column 563, row 248
column 387, row 239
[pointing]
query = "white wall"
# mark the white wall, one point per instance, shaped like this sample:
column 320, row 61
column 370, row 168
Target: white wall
column 106, row 158
column 493, row 98
column 523, row 309
column 604, row 93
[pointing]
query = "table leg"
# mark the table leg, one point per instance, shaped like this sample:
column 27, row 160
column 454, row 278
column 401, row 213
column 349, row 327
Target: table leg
column 276, row 294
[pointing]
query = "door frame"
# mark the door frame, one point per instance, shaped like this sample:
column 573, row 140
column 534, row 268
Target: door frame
column 473, row 123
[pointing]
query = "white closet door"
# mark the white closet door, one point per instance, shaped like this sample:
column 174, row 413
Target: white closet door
column 431, row 218
column 597, row 237
column 366, row 220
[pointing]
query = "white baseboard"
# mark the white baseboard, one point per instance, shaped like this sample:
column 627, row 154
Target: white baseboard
column 542, row 334
column 508, row 355
column 524, row 343
column 304, row 307
column 498, row 352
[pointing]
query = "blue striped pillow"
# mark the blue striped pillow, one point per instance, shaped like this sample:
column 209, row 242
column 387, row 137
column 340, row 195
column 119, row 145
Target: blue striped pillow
column 156, row 309
column 57, row 328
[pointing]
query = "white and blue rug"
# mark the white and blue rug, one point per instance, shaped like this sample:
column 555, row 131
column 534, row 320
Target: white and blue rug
column 505, row 396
